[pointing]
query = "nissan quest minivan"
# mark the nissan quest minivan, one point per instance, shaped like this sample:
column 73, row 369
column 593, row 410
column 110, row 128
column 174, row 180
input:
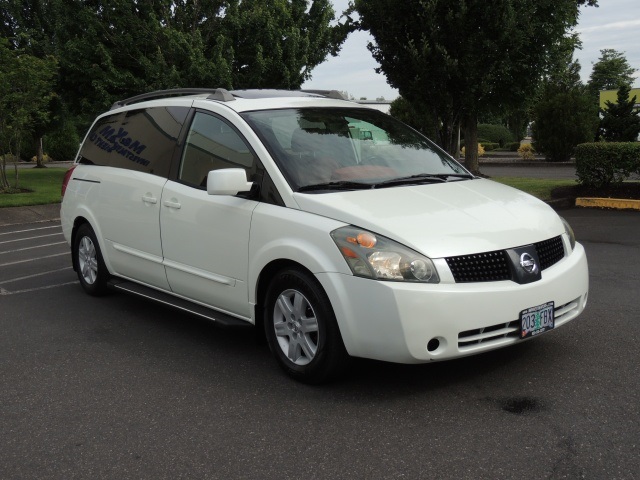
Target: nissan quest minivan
column 332, row 227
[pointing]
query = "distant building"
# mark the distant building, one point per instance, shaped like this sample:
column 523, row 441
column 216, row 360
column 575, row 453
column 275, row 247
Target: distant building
column 612, row 96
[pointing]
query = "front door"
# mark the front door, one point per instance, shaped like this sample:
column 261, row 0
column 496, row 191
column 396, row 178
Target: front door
column 205, row 238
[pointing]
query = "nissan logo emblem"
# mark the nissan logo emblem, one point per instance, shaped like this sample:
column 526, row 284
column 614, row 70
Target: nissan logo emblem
column 528, row 263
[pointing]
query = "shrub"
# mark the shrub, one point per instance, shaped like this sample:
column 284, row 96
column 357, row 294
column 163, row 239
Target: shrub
column 599, row 164
column 513, row 146
column 488, row 146
column 526, row 151
column 62, row 144
column 480, row 150
column 45, row 158
column 495, row 134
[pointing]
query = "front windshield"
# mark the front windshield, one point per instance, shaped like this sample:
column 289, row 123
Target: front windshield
column 320, row 149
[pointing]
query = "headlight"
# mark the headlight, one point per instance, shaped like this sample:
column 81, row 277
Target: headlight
column 569, row 230
column 374, row 256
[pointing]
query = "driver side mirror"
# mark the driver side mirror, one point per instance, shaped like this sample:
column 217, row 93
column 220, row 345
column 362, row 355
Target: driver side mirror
column 227, row 181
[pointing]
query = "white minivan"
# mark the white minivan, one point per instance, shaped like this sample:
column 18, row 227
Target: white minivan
column 332, row 227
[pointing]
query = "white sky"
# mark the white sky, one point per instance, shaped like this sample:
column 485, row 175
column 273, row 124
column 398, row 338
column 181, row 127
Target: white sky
column 614, row 24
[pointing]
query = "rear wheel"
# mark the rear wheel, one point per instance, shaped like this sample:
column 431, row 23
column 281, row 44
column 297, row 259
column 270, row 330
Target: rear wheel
column 301, row 328
column 90, row 267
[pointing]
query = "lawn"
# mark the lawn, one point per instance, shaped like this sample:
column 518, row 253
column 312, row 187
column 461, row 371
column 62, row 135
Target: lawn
column 538, row 187
column 44, row 185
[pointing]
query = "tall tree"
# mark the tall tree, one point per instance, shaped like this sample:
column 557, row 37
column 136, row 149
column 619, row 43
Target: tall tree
column 621, row 121
column 26, row 87
column 563, row 115
column 610, row 71
column 461, row 58
column 274, row 43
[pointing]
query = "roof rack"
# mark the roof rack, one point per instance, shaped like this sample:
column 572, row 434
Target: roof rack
column 328, row 93
column 219, row 94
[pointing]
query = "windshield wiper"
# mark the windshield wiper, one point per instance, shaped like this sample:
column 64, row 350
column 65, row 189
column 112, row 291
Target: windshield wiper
column 422, row 178
column 340, row 185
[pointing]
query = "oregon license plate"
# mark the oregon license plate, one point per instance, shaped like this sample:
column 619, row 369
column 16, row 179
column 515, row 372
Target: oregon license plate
column 536, row 320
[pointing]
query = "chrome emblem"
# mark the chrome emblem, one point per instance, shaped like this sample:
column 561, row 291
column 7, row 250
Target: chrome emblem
column 528, row 264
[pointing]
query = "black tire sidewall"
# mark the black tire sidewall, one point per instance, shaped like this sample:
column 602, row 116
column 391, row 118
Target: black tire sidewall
column 330, row 352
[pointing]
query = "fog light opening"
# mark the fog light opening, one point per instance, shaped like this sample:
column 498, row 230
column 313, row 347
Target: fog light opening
column 433, row 345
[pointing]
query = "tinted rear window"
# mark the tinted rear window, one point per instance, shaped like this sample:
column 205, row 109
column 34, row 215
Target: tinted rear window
column 141, row 140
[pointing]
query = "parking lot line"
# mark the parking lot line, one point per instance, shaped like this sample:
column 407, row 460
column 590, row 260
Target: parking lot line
column 32, row 259
column 4, row 292
column 31, row 238
column 26, row 277
column 29, row 230
column 31, row 248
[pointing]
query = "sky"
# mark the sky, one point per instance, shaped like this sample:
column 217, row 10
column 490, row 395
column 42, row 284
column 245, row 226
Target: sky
column 614, row 24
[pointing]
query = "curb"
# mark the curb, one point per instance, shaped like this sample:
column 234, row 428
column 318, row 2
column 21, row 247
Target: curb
column 615, row 203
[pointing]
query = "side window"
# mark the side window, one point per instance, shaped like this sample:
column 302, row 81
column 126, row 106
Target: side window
column 141, row 140
column 212, row 144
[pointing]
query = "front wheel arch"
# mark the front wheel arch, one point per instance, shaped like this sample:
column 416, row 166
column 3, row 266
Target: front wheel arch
column 296, row 311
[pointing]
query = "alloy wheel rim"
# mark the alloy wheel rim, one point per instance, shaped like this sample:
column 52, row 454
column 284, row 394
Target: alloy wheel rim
column 296, row 327
column 88, row 260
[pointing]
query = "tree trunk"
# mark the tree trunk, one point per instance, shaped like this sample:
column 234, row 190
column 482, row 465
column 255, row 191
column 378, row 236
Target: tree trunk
column 39, row 154
column 471, row 143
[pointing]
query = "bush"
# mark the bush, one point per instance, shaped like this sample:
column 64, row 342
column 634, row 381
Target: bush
column 480, row 150
column 513, row 146
column 45, row 158
column 488, row 146
column 62, row 144
column 599, row 164
column 495, row 134
column 526, row 151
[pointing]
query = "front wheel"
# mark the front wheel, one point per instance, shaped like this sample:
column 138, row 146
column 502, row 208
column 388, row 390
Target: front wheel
column 301, row 328
column 90, row 267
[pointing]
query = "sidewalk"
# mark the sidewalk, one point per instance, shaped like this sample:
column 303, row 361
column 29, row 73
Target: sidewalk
column 32, row 214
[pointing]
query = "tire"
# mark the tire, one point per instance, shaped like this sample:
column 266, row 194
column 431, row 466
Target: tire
column 301, row 328
column 90, row 267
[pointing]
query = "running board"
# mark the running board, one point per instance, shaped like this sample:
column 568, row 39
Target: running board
column 177, row 303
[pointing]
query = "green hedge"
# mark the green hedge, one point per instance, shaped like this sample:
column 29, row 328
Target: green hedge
column 599, row 164
column 488, row 146
column 495, row 134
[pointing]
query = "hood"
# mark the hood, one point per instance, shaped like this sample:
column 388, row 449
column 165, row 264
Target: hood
column 444, row 219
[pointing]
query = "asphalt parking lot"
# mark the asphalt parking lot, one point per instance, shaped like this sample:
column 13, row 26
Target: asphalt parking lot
column 117, row 387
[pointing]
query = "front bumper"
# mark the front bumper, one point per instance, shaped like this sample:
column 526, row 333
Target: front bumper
column 396, row 321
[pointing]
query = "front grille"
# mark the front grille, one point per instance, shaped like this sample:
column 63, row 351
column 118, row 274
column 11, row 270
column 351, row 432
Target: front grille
column 494, row 266
column 480, row 267
column 550, row 252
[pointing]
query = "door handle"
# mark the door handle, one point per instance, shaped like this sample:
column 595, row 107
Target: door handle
column 148, row 198
column 172, row 204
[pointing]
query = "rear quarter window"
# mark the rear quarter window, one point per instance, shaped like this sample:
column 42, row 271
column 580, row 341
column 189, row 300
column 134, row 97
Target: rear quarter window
column 141, row 140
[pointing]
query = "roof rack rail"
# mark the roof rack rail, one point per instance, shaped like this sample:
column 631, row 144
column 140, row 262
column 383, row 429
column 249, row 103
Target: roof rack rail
column 219, row 94
column 327, row 93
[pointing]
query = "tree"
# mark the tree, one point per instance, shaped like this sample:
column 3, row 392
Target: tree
column 621, row 121
column 610, row 71
column 287, row 39
column 112, row 49
column 563, row 116
column 25, row 91
column 459, row 59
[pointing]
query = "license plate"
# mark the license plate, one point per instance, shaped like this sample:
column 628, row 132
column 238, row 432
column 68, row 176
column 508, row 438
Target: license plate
column 536, row 320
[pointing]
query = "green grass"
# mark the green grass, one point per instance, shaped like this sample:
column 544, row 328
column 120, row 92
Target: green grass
column 44, row 183
column 538, row 187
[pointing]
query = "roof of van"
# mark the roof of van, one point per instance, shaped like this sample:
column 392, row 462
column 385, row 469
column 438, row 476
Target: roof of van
column 243, row 100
